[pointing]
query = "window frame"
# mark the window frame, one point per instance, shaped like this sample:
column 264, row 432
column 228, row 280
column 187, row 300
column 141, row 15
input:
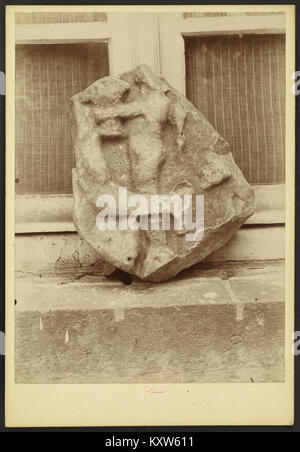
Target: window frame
column 163, row 51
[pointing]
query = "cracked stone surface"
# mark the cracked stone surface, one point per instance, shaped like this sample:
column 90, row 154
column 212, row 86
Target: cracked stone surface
column 136, row 131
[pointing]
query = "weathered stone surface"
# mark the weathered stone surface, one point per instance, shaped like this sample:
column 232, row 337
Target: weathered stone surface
column 135, row 131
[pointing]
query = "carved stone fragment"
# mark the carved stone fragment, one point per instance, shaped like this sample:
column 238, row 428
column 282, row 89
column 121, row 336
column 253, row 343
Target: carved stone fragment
column 136, row 133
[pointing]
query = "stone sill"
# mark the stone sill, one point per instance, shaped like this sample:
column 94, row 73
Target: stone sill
column 214, row 323
column 69, row 253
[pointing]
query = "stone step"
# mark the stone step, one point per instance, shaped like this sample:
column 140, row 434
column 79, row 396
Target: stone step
column 218, row 324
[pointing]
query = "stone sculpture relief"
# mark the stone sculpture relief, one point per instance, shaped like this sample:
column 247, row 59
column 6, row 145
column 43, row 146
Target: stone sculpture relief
column 135, row 131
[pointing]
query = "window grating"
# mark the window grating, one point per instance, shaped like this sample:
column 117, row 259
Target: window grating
column 58, row 17
column 47, row 76
column 238, row 82
column 199, row 15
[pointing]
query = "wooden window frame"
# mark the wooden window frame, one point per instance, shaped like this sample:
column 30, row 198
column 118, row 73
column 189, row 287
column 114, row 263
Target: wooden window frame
column 163, row 51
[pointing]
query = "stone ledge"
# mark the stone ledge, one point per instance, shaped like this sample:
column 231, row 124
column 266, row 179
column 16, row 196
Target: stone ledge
column 90, row 295
column 69, row 253
column 221, row 284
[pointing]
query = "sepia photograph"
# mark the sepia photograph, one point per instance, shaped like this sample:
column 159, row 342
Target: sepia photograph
column 151, row 166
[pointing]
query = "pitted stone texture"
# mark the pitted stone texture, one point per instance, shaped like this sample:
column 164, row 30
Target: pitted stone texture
column 136, row 131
